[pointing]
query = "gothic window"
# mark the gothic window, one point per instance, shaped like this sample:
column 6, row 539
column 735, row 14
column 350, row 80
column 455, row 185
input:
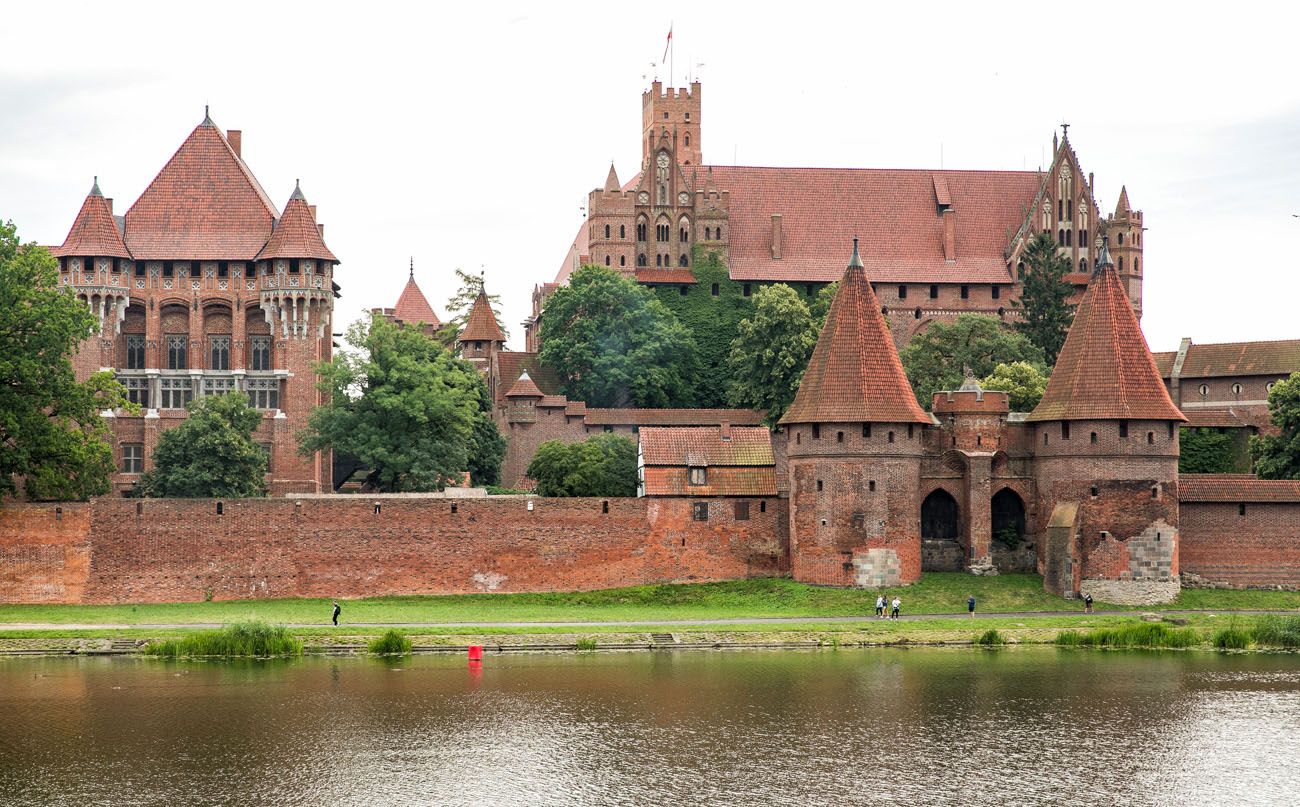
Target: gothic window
column 134, row 352
column 1135, row 263
column 137, row 390
column 1069, row 238
column 218, row 386
column 607, row 231
column 1121, row 239
column 1119, row 264
column 607, row 260
column 640, row 231
column 708, row 233
column 746, row 290
column 169, row 270
column 1047, row 216
column 1060, row 210
column 1083, row 237
column 263, row 393
column 1123, row 429
column 176, row 352
column 1083, row 265
column 622, row 231
column 683, row 261
column 683, row 235
column 659, row 260
column 1069, row 210
column 259, row 353
column 688, row 136
column 1060, row 237
column 176, row 392
column 622, row 260
column 640, row 259
column 220, row 353
column 132, row 458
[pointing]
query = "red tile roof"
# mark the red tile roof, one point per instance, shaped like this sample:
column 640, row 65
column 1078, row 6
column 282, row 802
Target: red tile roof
column 412, row 306
column 1270, row 358
column 667, row 481
column 94, row 233
column 705, row 446
column 1224, row 418
column 524, row 388
column 205, row 204
column 1104, row 370
column 296, row 234
column 1236, row 488
column 673, row 417
column 855, row 374
column 573, row 258
column 511, row 364
column 482, row 323
column 674, row 276
column 896, row 211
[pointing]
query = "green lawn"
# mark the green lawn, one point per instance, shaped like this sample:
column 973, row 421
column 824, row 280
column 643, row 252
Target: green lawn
column 934, row 594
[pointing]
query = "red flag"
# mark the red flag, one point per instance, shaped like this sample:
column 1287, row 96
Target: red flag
column 667, row 44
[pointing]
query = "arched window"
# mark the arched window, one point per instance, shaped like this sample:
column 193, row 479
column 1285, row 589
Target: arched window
column 1060, row 210
column 1069, row 210
column 683, row 261
column 607, row 260
column 622, row 231
column 1136, row 264
column 939, row 517
column 607, row 231
column 1121, row 239
column 640, row 231
column 622, row 260
column 1047, row 216
column 688, row 138
column 1060, row 236
column 1119, row 264
column 1083, row 265
column 1083, row 237
column 1069, row 238
column 708, row 233
column 640, row 259
column 683, row 235
column 659, row 260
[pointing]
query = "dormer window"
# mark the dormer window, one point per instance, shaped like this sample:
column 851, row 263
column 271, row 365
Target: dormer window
column 698, row 476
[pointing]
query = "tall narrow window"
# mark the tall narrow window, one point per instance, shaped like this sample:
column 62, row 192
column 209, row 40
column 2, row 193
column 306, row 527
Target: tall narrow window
column 137, row 390
column 132, row 458
column 607, row 231
column 640, row 259
column 640, row 231
column 965, row 292
column 176, row 392
column 259, row 353
column 934, row 292
column 683, row 261
column 1123, row 428
column 219, row 358
column 996, row 292
column 176, row 352
column 622, row 231
column 134, row 352
column 263, row 393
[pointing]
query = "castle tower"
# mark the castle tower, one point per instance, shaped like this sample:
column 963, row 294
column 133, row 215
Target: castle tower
column 1124, row 230
column 675, row 113
column 854, row 441
column 521, row 400
column 1106, row 457
column 412, row 308
column 481, row 338
column 611, row 235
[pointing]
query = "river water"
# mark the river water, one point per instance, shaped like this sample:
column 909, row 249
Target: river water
column 879, row 726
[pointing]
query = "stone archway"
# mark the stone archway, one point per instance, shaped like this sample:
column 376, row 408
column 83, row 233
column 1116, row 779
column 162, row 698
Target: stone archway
column 941, row 549
column 1011, row 545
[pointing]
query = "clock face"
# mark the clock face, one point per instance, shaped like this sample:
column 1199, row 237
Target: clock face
column 643, row 198
column 663, row 159
column 683, row 199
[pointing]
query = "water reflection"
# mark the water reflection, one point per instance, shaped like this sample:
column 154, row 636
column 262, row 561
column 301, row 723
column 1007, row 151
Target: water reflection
column 885, row 726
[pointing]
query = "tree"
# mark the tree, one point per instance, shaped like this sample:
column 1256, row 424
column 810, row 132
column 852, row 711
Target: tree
column 615, row 344
column 405, row 408
column 939, row 358
column 604, row 465
column 462, row 301
column 771, row 351
column 210, row 454
column 487, row 446
column 1277, row 456
column 51, row 432
column 1025, row 382
column 1205, row 451
column 1045, row 313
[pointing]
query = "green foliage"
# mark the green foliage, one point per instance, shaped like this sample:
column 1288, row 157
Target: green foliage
column 1277, row 631
column 497, row 490
column 391, row 643
column 938, row 358
column 405, row 408
column 604, row 465
column 990, row 638
column 1145, row 634
column 1205, row 451
column 711, row 320
column 460, row 303
column 1009, row 536
column 821, row 304
column 51, row 432
column 1232, row 637
column 615, row 343
column 1277, row 456
column 1024, row 382
column 211, row 454
column 241, row 639
column 585, row 644
column 771, row 351
column 1045, row 314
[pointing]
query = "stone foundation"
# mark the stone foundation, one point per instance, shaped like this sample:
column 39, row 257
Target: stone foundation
column 877, row 568
column 1131, row 592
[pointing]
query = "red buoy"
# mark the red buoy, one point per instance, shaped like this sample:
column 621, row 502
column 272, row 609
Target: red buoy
column 476, row 652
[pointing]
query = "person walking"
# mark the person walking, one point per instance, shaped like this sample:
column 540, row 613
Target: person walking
column 970, row 605
column 894, row 613
column 880, row 605
column 1087, row 603
column 337, row 611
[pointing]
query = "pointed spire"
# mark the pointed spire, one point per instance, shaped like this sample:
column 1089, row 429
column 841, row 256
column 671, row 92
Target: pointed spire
column 856, row 260
column 481, row 324
column 297, row 192
column 1105, row 370
column 412, row 267
column 855, row 374
column 412, row 306
column 1122, row 207
column 1103, row 256
column 611, row 181
column 94, row 189
column 207, row 119
column 525, row 387
column 296, row 234
column 94, row 232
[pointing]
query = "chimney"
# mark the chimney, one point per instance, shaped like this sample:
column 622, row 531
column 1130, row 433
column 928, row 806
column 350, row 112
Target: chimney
column 110, row 204
column 776, row 236
column 949, row 234
column 312, row 208
column 724, row 429
column 321, row 229
column 236, row 139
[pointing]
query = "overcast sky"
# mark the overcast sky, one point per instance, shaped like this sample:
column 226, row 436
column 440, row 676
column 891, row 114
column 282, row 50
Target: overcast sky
column 469, row 135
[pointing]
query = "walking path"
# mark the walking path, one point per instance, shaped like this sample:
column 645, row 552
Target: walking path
column 779, row 620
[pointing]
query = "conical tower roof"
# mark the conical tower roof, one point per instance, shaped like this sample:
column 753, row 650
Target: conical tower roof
column 296, row 234
column 412, row 306
column 94, row 232
column 1105, row 370
column 1122, row 206
column 855, row 374
column 525, row 387
column 611, row 181
column 482, row 323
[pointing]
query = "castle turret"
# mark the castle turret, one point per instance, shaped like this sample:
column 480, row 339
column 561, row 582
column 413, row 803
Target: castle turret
column 522, row 400
column 1106, row 456
column 854, row 439
column 413, row 307
column 674, row 113
column 482, row 337
column 94, row 261
column 1124, row 232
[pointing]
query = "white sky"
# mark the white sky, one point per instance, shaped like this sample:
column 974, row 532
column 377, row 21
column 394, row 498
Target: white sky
column 469, row 135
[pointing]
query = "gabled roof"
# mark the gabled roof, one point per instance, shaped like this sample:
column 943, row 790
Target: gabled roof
column 205, row 204
column 1104, row 370
column 412, row 306
column 855, row 374
column 524, row 388
column 706, row 446
column 296, row 234
column 512, row 363
column 481, row 325
column 94, row 232
column 896, row 211
column 1236, row 488
column 675, row 481
column 1269, row 358
column 672, row 417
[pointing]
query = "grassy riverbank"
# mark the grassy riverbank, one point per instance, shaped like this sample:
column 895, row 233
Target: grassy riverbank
column 934, row 594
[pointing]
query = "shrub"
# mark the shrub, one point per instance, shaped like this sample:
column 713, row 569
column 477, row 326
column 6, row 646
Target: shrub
column 586, row 644
column 990, row 638
column 1152, row 634
column 1278, row 631
column 1231, row 638
column 391, row 643
column 240, row 639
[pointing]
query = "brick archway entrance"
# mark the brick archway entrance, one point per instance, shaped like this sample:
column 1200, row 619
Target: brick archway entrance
column 940, row 517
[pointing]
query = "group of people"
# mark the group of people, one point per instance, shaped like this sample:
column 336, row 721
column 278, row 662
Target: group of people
column 882, row 601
